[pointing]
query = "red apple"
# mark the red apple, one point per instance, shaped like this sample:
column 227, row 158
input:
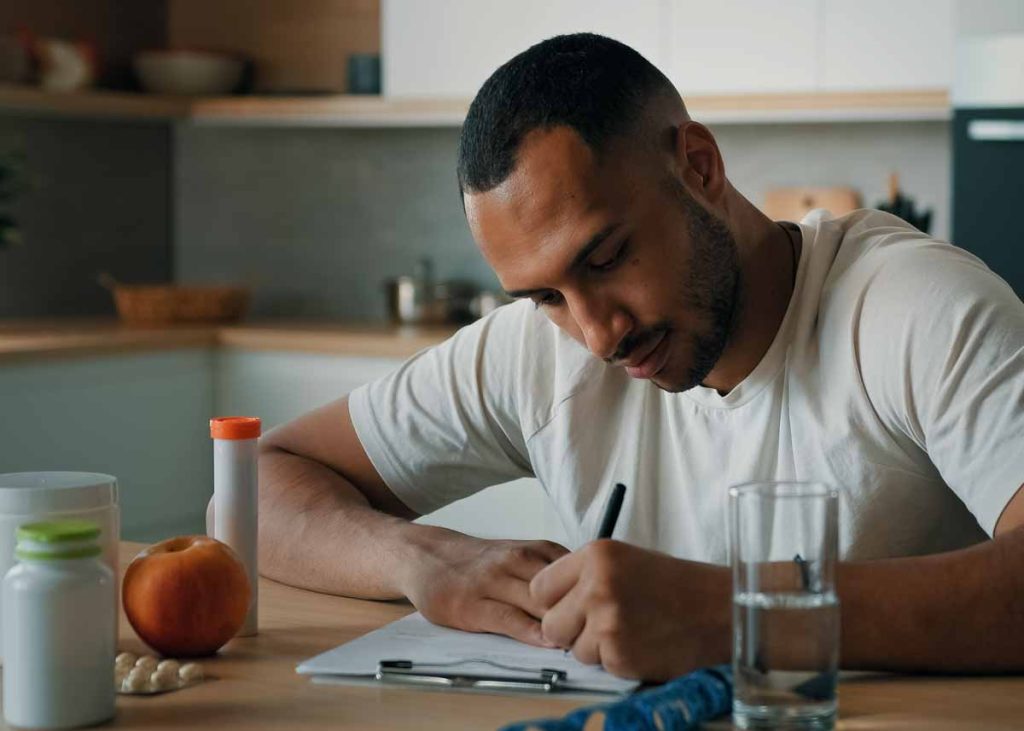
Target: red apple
column 186, row 596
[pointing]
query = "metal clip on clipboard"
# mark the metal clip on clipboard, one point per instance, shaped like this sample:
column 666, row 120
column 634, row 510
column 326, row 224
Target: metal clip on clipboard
column 405, row 671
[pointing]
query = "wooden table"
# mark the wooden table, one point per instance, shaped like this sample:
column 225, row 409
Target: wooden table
column 256, row 687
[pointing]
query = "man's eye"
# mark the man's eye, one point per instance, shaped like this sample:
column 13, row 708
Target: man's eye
column 547, row 300
column 610, row 264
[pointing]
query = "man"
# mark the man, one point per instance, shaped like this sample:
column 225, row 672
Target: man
column 675, row 339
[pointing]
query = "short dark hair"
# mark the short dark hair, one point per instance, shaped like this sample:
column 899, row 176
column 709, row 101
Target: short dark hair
column 593, row 84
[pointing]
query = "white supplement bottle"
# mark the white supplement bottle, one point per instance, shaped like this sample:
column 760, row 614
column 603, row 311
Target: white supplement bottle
column 59, row 628
column 236, row 497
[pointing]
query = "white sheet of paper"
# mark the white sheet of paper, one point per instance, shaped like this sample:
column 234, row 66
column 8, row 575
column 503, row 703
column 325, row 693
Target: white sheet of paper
column 414, row 638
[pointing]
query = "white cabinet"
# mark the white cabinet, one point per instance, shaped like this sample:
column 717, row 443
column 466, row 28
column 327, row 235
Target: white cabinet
column 279, row 386
column 143, row 418
column 751, row 46
column 887, row 44
column 447, row 48
column 735, row 46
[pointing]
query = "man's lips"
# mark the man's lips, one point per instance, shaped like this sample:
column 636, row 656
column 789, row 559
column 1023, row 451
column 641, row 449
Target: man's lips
column 649, row 362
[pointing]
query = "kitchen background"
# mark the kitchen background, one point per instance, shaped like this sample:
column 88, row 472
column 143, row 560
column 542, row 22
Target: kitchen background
column 315, row 199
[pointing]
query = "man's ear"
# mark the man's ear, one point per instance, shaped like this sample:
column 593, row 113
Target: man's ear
column 699, row 161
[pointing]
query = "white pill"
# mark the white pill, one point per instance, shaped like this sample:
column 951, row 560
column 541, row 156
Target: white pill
column 170, row 666
column 191, row 672
column 136, row 682
column 163, row 680
column 147, row 663
column 125, row 660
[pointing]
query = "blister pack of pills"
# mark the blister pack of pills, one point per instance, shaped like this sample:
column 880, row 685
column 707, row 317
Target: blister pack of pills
column 145, row 675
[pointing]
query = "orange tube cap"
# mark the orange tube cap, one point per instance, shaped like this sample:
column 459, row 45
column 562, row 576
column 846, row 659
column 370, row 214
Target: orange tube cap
column 235, row 427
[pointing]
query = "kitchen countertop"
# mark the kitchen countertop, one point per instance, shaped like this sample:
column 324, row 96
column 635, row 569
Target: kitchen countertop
column 71, row 337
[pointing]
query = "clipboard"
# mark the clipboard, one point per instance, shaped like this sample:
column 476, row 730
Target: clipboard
column 416, row 653
column 547, row 680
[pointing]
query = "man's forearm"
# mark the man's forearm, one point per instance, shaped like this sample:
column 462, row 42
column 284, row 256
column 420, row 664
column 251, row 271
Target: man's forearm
column 317, row 531
column 961, row 611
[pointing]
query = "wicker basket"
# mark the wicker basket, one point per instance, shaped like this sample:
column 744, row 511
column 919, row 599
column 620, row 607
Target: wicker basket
column 165, row 304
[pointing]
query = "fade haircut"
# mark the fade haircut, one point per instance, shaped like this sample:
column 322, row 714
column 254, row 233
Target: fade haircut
column 593, row 84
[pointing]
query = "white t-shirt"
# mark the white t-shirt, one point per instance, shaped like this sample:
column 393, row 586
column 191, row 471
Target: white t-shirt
column 897, row 375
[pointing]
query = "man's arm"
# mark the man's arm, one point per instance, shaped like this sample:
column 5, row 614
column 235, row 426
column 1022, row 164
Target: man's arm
column 328, row 522
column 961, row 611
column 647, row 615
column 309, row 471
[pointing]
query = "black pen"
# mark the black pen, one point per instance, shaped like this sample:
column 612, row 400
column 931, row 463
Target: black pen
column 608, row 520
column 611, row 511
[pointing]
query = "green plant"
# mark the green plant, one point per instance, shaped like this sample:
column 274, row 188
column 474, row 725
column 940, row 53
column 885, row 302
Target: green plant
column 13, row 183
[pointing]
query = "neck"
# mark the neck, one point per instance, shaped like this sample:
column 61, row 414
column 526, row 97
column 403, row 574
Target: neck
column 767, row 274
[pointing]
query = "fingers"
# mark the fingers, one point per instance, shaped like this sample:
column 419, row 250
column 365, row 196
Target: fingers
column 563, row 623
column 524, row 563
column 548, row 549
column 525, row 559
column 496, row 591
column 550, row 585
column 505, row 619
column 514, row 591
column 587, row 649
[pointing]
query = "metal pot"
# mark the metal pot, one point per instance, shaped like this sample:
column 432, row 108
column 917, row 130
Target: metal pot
column 411, row 301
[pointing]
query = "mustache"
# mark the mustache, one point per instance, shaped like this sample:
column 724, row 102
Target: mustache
column 633, row 341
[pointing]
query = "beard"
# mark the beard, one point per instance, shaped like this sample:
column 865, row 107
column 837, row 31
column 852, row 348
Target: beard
column 711, row 290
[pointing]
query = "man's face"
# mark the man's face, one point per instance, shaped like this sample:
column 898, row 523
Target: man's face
column 615, row 252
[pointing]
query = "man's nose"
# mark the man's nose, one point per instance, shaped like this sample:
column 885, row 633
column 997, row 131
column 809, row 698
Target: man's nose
column 602, row 323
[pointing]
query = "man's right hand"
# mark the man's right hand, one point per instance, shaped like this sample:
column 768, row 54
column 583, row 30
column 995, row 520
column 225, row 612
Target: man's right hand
column 480, row 585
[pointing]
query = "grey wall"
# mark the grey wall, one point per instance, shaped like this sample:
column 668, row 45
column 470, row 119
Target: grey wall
column 100, row 202
column 319, row 217
column 858, row 155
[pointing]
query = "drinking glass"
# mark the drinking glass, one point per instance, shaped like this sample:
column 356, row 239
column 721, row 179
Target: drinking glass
column 784, row 541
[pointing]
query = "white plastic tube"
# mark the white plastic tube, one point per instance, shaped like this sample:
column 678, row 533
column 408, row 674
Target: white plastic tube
column 236, row 499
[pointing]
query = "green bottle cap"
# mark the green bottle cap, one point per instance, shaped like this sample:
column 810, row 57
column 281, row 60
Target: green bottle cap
column 59, row 531
column 57, row 539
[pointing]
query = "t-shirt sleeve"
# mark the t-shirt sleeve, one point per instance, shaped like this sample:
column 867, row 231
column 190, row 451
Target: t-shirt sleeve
column 445, row 424
column 942, row 349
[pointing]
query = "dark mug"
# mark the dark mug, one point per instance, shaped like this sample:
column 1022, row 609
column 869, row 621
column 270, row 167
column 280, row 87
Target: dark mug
column 364, row 73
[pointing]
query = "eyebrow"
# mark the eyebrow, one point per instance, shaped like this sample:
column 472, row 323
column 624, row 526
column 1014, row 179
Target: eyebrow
column 581, row 256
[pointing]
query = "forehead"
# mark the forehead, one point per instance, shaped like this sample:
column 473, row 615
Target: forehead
column 558, row 195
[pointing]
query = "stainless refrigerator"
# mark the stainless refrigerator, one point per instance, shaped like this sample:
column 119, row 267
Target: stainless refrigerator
column 988, row 152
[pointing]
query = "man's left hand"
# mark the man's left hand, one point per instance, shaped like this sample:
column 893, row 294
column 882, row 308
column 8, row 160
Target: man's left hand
column 639, row 613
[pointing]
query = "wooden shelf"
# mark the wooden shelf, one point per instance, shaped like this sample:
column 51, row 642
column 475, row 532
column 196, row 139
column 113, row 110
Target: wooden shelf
column 877, row 106
column 372, row 111
column 328, row 110
column 28, row 100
